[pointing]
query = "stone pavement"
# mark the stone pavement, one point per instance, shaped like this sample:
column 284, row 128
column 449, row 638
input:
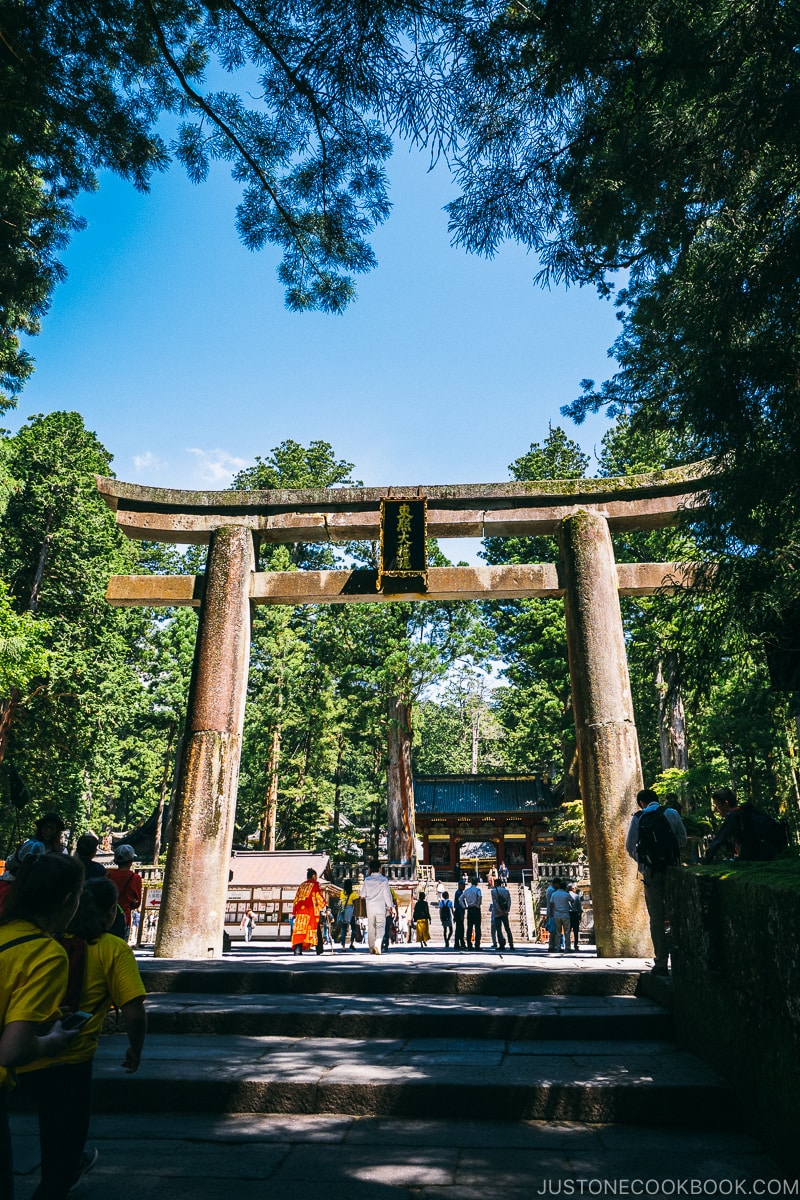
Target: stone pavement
column 269, row 1157
column 420, row 1073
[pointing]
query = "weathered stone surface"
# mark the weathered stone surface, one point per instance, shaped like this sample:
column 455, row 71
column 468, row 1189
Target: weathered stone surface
column 132, row 496
column 460, row 510
column 196, row 882
column 196, row 878
column 736, row 984
column 359, row 587
column 444, row 583
column 196, row 527
column 608, row 751
column 146, row 591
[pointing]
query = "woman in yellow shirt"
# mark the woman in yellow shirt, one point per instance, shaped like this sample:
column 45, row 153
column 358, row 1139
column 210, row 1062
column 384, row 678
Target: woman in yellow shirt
column 61, row 1090
column 33, row 974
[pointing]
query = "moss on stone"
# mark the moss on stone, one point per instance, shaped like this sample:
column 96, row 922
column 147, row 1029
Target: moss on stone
column 781, row 874
column 691, row 477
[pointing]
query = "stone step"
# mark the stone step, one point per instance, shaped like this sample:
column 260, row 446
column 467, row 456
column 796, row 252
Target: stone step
column 334, row 1015
column 647, row 1082
column 412, row 973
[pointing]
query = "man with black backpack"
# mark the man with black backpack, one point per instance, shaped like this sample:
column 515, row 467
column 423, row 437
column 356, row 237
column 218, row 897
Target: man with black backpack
column 655, row 838
column 501, row 911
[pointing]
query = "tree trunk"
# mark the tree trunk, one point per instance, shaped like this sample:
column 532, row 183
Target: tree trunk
column 337, row 791
column 476, row 726
column 162, row 795
column 300, row 791
column 269, row 817
column 572, row 783
column 8, row 710
column 400, row 786
column 36, row 589
column 793, row 757
column 671, row 715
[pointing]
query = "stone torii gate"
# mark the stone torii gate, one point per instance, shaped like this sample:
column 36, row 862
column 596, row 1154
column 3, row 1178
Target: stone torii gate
column 581, row 513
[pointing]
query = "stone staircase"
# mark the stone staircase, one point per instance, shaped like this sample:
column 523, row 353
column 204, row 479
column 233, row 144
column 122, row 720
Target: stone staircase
column 421, row 1075
column 348, row 1035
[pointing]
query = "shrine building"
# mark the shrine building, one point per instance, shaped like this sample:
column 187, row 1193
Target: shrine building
column 488, row 818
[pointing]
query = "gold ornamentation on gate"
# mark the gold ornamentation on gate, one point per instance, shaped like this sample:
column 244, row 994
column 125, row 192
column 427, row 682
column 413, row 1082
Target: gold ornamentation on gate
column 403, row 545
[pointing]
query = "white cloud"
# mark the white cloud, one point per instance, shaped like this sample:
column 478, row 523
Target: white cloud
column 148, row 461
column 216, row 466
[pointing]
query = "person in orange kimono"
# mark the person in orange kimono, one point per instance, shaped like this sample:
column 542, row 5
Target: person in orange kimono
column 308, row 904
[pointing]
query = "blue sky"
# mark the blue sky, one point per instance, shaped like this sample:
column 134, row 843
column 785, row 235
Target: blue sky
column 173, row 343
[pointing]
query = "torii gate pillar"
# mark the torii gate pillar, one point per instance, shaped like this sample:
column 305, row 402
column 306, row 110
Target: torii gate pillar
column 196, row 879
column 608, row 748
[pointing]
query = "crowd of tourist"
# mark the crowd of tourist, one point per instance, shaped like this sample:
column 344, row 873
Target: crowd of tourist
column 372, row 914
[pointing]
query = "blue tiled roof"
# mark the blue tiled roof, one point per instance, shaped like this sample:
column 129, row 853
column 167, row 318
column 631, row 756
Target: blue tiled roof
column 434, row 794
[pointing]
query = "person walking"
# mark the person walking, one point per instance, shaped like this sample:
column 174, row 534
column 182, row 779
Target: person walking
column 347, row 913
column 390, row 923
column 60, row 1088
column 501, row 911
column 473, row 898
column 377, row 895
column 459, row 916
column 446, row 918
column 422, row 920
column 575, row 914
column 246, row 924
column 308, row 904
column 34, row 971
column 86, row 847
column 127, row 882
column 558, row 912
column 553, row 887
column 325, row 930
column 49, row 829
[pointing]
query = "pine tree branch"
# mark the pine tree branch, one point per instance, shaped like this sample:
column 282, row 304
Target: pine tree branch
column 229, row 133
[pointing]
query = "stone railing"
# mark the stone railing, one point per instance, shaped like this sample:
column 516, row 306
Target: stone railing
column 570, row 870
column 357, row 871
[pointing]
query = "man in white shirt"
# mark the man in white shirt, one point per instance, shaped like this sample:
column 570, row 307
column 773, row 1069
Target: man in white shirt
column 377, row 895
column 472, row 903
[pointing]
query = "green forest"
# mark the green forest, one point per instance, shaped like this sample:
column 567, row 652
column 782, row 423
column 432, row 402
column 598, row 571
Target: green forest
column 94, row 696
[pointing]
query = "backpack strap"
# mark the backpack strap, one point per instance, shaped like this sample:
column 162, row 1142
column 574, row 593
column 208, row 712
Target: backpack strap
column 27, row 937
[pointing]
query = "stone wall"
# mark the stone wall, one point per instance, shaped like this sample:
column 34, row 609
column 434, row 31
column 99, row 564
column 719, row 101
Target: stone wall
column 736, row 980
